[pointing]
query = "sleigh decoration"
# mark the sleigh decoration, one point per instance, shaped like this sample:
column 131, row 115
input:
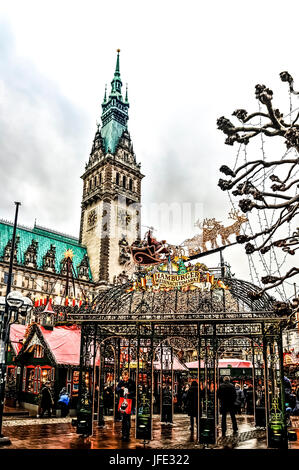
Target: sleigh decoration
column 147, row 255
column 150, row 252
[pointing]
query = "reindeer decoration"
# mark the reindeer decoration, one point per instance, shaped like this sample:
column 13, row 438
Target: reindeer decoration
column 197, row 244
column 193, row 245
column 210, row 229
column 234, row 228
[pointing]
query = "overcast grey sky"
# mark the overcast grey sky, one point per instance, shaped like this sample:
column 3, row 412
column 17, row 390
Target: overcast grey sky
column 186, row 64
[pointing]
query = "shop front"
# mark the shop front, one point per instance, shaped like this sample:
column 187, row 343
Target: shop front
column 48, row 356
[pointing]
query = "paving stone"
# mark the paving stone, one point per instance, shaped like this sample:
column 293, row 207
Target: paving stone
column 58, row 433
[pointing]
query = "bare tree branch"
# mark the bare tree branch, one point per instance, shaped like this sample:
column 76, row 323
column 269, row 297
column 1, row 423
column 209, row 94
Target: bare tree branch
column 273, row 191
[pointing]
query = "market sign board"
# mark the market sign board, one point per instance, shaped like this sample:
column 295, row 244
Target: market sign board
column 161, row 279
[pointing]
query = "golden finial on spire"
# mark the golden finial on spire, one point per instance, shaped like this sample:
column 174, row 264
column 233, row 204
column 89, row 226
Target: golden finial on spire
column 117, row 50
column 68, row 254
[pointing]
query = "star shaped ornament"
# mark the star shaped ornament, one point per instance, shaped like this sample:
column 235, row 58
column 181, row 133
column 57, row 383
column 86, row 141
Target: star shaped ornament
column 69, row 254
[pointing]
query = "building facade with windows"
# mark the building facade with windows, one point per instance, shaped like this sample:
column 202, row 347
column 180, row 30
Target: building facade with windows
column 39, row 270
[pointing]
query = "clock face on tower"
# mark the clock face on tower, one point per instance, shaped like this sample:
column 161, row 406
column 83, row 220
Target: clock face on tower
column 92, row 218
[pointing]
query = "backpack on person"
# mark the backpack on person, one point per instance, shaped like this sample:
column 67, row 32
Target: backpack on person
column 64, row 399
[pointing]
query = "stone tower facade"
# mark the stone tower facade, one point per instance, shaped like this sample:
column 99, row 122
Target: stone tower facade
column 110, row 215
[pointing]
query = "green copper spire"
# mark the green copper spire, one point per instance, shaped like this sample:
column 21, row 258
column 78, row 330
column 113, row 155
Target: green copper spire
column 126, row 98
column 117, row 64
column 115, row 112
column 116, row 83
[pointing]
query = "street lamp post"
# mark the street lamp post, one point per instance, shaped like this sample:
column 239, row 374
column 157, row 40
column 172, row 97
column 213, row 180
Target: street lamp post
column 10, row 307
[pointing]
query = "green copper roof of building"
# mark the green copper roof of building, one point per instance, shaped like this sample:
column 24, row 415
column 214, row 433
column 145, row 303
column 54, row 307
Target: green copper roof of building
column 45, row 239
column 111, row 134
column 115, row 112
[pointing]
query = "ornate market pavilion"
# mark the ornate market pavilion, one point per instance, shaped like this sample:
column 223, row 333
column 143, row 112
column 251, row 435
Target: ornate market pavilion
column 131, row 329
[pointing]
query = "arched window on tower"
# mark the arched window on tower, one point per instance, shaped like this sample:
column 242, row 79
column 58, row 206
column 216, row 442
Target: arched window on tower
column 117, row 179
column 124, row 181
column 89, row 184
column 100, row 178
column 131, row 185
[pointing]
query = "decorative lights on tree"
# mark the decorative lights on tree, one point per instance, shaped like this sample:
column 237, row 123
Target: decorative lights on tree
column 263, row 190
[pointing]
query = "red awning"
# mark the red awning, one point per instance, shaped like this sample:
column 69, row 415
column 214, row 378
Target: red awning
column 223, row 363
column 177, row 365
column 64, row 343
column 16, row 335
column 236, row 363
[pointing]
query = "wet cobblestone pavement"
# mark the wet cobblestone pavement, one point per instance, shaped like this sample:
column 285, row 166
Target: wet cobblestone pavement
column 8, row 422
column 58, row 433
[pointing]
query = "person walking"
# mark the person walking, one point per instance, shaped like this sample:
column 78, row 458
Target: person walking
column 249, row 400
column 184, row 398
column 126, row 390
column 239, row 399
column 107, row 399
column 46, row 400
column 192, row 404
column 166, row 415
column 63, row 402
column 227, row 397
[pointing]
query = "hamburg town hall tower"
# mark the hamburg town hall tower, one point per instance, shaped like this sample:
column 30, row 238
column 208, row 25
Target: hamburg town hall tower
column 110, row 217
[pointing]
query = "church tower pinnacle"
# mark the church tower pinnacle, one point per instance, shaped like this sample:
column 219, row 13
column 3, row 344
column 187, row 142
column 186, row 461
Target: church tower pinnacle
column 110, row 215
column 115, row 112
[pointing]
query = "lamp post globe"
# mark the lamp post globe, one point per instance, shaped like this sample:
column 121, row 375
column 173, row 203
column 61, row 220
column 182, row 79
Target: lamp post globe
column 15, row 299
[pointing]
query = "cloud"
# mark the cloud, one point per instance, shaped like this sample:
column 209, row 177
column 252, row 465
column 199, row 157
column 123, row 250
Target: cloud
column 41, row 143
column 184, row 69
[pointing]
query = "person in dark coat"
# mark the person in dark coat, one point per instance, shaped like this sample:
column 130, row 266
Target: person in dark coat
column 46, row 401
column 249, row 400
column 184, row 398
column 126, row 389
column 227, row 397
column 107, row 399
column 166, row 415
column 192, row 404
column 239, row 399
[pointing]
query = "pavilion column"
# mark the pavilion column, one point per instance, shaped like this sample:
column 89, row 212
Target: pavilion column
column 199, row 381
column 85, row 396
column 101, row 418
column 144, row 382
column 253, row 382
column 93, row 383
column 117, row 415
column 284, row 443
column 266, row 381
